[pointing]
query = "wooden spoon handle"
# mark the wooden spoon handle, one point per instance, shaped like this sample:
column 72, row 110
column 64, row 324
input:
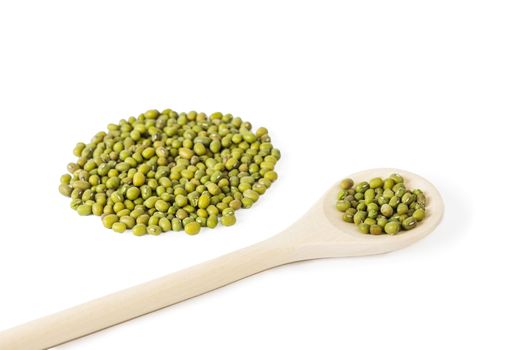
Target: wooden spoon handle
column 124, row 305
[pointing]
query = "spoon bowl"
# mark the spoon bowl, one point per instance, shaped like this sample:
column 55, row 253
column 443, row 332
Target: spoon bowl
column 321, row 233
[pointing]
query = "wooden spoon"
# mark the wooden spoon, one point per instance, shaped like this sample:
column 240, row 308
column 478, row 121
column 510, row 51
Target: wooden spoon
column 320, row 233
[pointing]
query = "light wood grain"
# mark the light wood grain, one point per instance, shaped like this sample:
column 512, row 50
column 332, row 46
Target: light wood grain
column 319, row 234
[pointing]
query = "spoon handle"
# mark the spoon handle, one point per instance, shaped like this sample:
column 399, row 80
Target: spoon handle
column 129, row 303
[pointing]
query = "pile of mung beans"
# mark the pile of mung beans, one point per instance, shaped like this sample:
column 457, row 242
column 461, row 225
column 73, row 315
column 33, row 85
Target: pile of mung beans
column 163, row 171
column 381, row 205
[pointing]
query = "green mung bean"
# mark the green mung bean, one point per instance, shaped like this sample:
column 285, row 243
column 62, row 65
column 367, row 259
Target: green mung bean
column 164, row 170
column 381, row 206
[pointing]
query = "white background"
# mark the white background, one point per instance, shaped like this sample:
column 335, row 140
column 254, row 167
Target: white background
column 433, row 87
